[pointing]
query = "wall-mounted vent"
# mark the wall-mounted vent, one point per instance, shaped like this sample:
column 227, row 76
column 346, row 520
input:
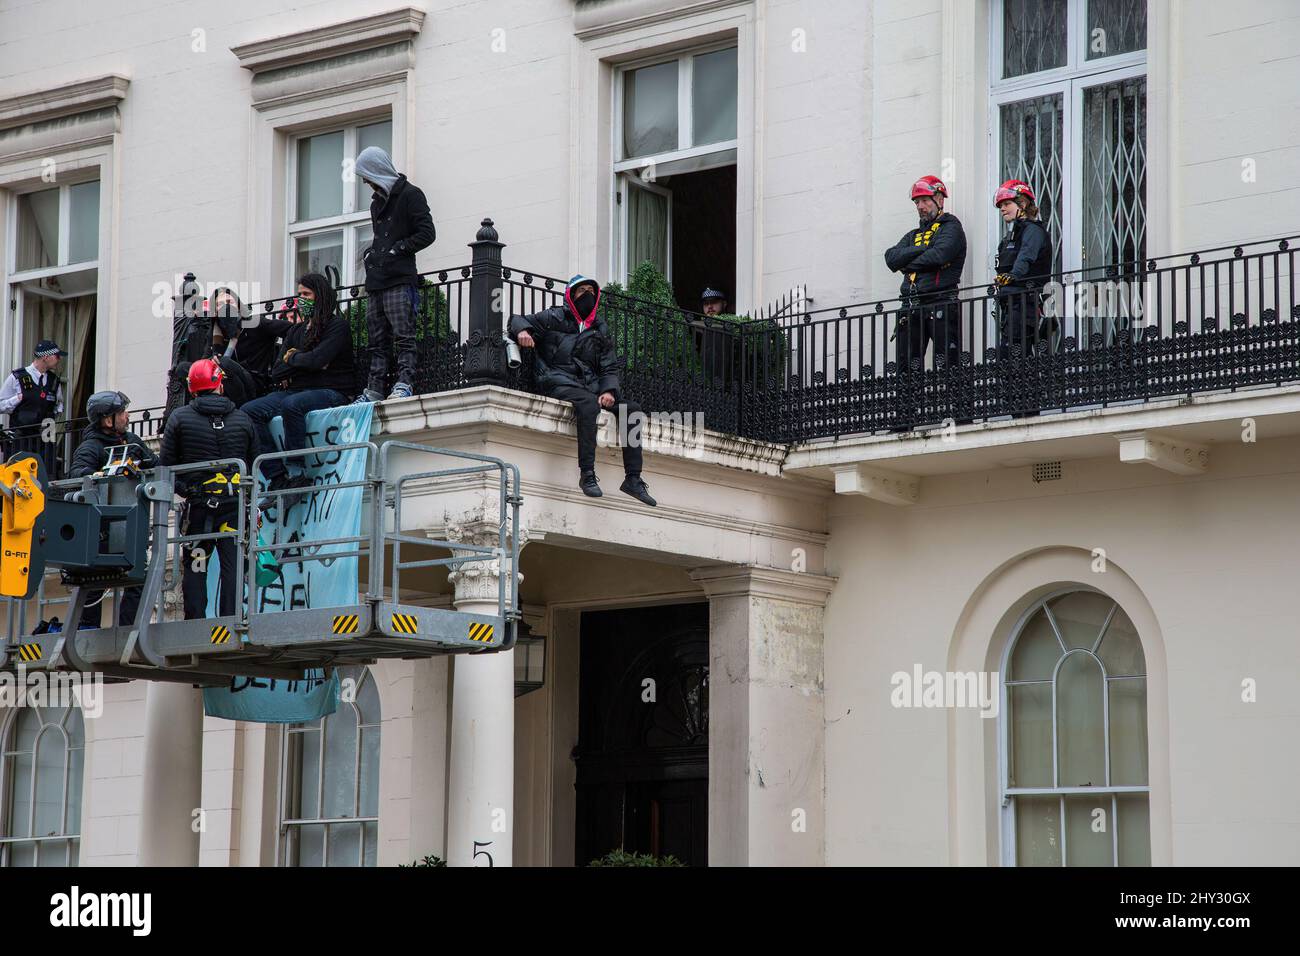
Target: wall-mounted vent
column 1047, row 471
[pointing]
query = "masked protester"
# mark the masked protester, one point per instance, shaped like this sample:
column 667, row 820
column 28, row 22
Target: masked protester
column 208, row 428
column 402, row 226
column 576, row 362
column 108, row 429
column 315, row 369
column 244, row 354
column 930, row 258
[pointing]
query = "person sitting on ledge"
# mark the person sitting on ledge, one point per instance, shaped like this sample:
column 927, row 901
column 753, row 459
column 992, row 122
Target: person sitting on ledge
column 315, row 366
column 577, row 362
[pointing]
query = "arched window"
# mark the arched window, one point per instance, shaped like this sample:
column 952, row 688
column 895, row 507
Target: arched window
column 329, row 794
column 40, row 786
column 1075, row 784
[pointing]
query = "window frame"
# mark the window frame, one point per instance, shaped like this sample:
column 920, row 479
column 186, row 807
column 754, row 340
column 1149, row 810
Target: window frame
column 285, row 842
column 71, row 829
column 1006, row 794
column 61, row 266
column 623, row 167
column 1071, row 82
column 685, row 60
column 346, row 221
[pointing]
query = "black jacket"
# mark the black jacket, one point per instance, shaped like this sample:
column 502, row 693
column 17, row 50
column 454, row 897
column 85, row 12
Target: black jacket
column 255, row 351
column 402, row 227
column 930, row 259
column 566, row 356
column 241, row 388
column 92, row 454
column 209, row 427
column 1025, row 254
column 328, row 364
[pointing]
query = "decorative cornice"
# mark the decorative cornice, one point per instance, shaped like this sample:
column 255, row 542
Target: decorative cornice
column 320, row 43
column 592, row 18
column 83, row 96
column 731, row 580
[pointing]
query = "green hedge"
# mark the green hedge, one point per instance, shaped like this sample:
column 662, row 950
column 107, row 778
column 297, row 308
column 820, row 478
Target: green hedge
column 623, row 858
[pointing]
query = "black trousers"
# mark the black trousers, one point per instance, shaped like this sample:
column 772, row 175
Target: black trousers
column 390, row 318
column 1018, row 324
column 194, row 582
column 918, row 327
column 92, row 616
column 586, row 408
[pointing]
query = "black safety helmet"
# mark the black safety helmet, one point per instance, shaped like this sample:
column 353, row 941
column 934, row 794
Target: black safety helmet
column 105, row 403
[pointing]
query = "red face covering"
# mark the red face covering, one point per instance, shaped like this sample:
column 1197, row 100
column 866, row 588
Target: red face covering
column 584, row 306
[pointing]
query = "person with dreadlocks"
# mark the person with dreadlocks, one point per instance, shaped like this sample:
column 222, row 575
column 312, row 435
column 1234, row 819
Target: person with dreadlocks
column 313, row 369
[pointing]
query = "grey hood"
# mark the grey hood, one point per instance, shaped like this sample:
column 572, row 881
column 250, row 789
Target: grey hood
column 374, row 164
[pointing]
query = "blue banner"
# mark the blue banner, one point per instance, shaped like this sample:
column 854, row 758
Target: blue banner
column 324, row 512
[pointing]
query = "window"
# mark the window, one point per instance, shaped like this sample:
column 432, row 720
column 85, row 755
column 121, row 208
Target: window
column 40, row 786
column 674, row 168
column 329, row 215
column 1075, row 785
column 54, row 270
column 57, row 228
column 330, row 783
column 1069, row 92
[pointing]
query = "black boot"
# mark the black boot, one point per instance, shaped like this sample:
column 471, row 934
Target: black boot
column 589, row 485
column 634, row 486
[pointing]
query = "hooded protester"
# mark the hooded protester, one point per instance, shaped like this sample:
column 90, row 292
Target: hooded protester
column 107, row 429
column 402, row 226
column 576, row 362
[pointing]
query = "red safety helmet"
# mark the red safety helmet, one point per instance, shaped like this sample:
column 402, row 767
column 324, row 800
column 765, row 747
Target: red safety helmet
column 1011, row 189
column 929, row 186
column 205, row 376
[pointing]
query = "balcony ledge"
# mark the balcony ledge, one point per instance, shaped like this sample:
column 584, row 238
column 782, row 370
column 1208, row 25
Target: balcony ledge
column 1094, row 433
column 472, row 408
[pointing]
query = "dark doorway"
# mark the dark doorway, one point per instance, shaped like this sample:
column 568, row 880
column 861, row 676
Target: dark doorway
column 643, row 734
column 704, row 234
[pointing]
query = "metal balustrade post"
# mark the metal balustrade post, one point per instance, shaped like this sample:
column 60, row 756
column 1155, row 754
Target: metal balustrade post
column 485, row 353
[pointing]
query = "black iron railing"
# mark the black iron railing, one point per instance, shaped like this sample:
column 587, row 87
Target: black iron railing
column 1223, row 319
column 1131, row 332
column 58, row 442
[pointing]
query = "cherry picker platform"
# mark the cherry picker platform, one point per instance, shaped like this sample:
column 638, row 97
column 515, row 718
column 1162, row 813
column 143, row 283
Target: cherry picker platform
column 119, row 529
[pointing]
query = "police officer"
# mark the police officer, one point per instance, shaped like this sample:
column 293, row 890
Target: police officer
column 1024, row 264
column 108, row 429
column 30, row 396
column 713, row 301
column 931, row 258
column 208, row 428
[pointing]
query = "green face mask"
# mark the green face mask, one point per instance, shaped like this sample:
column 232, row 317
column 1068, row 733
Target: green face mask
column 306, row 308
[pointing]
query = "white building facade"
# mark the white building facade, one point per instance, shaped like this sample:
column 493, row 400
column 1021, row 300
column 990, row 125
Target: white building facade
column 1061, row 639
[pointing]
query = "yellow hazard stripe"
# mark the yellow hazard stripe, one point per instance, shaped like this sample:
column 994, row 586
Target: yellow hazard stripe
column 345, row 624
column 29, row 652
column 404, row 623
column 481, row 633
column 220, row 634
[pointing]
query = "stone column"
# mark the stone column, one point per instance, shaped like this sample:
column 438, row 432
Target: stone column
column 173, row 775
column 480, row 791
column 766, row 716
